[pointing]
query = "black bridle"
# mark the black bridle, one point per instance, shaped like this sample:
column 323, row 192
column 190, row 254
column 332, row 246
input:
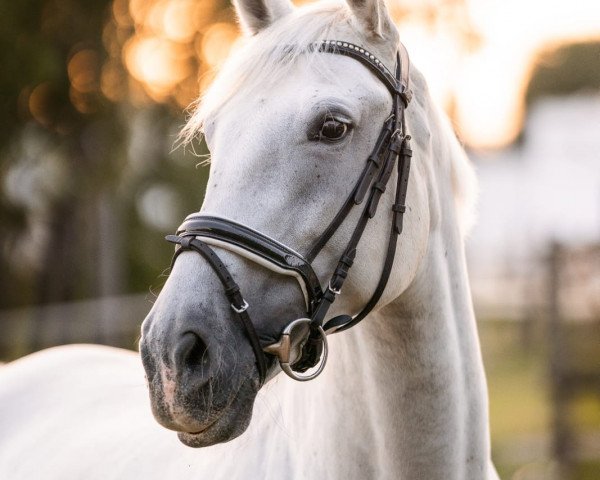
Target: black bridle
column 392, row 149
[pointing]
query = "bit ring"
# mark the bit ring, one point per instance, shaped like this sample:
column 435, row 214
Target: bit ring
column 283, row 347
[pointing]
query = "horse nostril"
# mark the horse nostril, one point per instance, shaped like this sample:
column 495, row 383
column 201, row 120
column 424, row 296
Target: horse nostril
column 192, row 353
column 198, row 355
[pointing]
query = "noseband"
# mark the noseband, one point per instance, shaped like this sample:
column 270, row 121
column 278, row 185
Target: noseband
column 391, row 149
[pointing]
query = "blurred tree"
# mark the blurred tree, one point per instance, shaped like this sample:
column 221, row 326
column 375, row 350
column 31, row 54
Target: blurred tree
column 565, row 70
column 71, row 191
column 54, row 139
column 91, row 94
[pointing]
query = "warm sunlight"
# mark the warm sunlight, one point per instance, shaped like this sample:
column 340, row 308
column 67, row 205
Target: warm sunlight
column 500, row 71
column 476, row 54
column 216, row 43
column 489, row 83
column 155, row 62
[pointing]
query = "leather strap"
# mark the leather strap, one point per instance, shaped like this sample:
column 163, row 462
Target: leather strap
column 397, row 85
column 398, row 144
column 344, row 322
column 258, row 243
column 341, row 272
column 189, row 243
column 359, row 191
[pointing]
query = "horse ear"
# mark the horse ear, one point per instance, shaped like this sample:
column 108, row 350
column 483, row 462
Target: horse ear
column 374, row 19
column 255, row 15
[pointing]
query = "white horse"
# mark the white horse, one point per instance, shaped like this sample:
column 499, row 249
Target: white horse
column 403, row 395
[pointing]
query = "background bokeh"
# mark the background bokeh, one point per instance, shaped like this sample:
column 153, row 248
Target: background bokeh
column 94, row 92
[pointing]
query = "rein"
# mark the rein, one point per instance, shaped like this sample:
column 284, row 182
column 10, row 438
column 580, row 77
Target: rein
column 392, row 149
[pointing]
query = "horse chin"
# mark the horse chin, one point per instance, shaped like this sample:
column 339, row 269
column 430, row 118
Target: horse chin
column 224, row 429
column 218, row 427
column 229, row 425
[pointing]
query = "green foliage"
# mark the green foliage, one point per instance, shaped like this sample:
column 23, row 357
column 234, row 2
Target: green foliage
column 37, row 39
column 521, row 406
column 66, row 163
column 566, row 70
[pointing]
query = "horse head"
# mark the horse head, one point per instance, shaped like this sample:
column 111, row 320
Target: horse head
column 290, row 129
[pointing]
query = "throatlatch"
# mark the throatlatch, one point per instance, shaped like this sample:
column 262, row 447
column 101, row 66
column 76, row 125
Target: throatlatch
column 391, row 150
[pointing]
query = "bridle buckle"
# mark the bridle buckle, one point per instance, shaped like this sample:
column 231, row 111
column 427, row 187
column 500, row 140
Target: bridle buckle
column 335, row 291
column 242, row 309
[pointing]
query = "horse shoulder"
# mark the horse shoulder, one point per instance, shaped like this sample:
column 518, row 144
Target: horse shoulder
column 83, row 412
column 65, row 410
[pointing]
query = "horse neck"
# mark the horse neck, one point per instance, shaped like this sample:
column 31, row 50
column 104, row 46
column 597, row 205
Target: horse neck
column 411, row 377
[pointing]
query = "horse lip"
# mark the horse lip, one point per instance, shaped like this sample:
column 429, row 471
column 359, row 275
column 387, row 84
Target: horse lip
column 220, row 430
column 195, row 439
column 199, row 432
column 222, row 412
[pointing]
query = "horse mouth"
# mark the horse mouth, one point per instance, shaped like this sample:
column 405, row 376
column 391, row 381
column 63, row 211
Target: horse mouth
column 228, row 423
column 202, row 430
column 197, row 439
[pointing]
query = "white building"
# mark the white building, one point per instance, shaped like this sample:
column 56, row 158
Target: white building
column 546, row 188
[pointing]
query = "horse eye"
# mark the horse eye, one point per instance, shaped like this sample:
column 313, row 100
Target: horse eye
column 333, row 130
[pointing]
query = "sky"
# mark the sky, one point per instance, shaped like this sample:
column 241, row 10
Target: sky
column 477, row 55
column 489, row 81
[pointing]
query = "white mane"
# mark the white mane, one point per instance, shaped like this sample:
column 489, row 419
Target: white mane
column 266, row 58
column 464, row 180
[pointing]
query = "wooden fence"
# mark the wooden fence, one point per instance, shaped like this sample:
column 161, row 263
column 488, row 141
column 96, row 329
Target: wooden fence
column 573, row 333
column 109, row 320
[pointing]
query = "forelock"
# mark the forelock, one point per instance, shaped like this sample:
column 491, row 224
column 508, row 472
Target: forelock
column 266, row 58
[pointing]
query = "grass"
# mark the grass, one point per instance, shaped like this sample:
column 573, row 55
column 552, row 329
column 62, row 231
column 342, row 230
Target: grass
column 521, row 410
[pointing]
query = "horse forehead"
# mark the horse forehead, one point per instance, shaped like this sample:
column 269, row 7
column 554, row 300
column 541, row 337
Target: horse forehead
column 333, row 72
column 309, row 82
